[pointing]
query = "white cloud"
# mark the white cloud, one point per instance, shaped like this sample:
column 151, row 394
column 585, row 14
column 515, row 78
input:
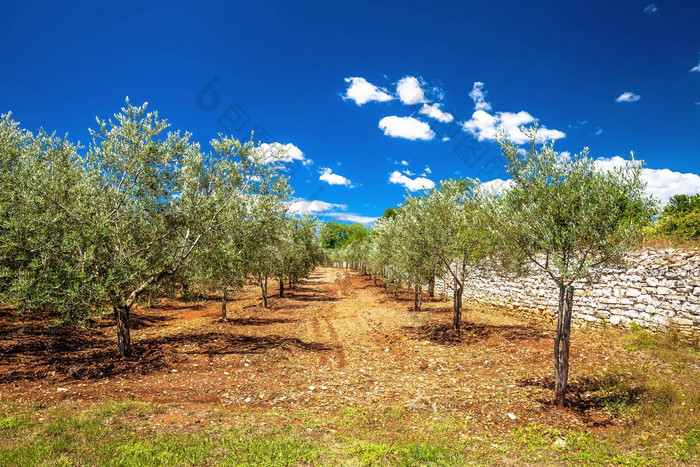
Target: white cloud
column 350, row 217
column 628, row 97
column 434, row 111
column 406, row 127
column 427, row 170
column 598, row 130
column 486, row 126
column 497, row 185
column 478, row 95
column 408, row 172
column 409, row 90
column 696, row 68
column 578, row 124
column 277, row 152
column 322, row 208
column 329, row 177
column 361, row 91
column 651, row 9
column 404, row 163
column 445, row 138
column 304, row 206
column 413, row 184
column 662, row 183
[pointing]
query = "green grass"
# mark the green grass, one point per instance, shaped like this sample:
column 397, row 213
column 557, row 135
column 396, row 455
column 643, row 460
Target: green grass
column 118, row 434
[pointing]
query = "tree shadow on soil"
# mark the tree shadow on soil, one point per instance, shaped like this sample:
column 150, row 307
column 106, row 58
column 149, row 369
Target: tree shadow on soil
column 140, row 321
column 226, row 344
column 594, row 399
column 313, row 298
column 177, row 306
column 444, row 334
column 63, row 353
column 258, row 321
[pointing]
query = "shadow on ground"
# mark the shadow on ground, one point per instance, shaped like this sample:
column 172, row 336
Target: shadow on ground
column 595, row 399
column 444, row 334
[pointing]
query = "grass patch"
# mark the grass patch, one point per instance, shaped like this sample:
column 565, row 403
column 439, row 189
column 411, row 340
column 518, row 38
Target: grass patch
column 117, row 434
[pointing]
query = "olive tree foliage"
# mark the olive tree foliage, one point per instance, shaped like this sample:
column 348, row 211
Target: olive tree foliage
column 302, row 250
column 45, row 263
column 100, row 231
column 223, row 260
column 414, row 254
column 386, row 257
column 568, row 219
column 266, row 239
column 449, row 233
column 158, row 197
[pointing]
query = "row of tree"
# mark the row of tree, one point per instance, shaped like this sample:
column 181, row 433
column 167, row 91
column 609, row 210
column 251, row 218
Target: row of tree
column 142, row 209
column 561, row 216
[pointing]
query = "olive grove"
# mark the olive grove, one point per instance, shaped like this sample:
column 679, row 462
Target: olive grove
column 91, row 232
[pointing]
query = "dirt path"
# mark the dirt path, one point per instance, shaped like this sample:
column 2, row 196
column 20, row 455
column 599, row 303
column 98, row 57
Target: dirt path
column 334, row 341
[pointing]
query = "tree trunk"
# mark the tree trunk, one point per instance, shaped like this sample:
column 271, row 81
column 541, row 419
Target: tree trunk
column 121, row 316
column 290, row 282
column 457, row 306
column 431, row 288
column 561, row 344
column 263, row 288
column 281, row 287
column 416, row 307
column 420, row 297
column 224, row 299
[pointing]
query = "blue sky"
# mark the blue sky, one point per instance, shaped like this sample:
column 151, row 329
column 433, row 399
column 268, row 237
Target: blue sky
column 350, row 90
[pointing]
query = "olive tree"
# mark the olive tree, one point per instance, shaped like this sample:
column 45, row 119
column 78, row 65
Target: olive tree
column 414, row 245
column 44, row 259
column 455, row 232
column 386, row 252
column 157, row 198
column 566, row 218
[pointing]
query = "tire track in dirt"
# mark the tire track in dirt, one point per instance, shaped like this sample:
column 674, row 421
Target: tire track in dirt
column 316, row 327
column 341, row 358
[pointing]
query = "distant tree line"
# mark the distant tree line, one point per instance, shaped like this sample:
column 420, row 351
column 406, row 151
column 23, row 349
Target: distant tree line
column 680, row 218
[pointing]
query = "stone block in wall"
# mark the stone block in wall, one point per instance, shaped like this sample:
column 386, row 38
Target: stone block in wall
column 631, row 313
column 682, row 322
column 652, row 281
column 660, row 320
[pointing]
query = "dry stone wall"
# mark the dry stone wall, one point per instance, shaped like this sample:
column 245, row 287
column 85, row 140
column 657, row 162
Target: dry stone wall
column 657, row 289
